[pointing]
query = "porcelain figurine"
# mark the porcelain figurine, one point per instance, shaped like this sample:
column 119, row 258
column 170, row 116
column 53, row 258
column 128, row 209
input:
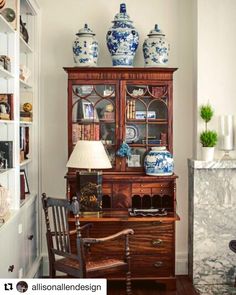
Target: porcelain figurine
column 159, row 162
column 156, row 49
column 85, row 48
column 122, row 39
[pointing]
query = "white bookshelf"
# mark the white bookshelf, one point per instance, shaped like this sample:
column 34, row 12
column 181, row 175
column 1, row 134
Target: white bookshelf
column 22, row 219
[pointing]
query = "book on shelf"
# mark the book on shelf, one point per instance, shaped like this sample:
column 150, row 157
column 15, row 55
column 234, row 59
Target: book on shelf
column 6, row 154
column 26, row 116
column 85, row 132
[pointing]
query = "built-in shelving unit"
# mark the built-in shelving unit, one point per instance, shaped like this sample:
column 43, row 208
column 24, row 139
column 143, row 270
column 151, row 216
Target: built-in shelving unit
column 20, row 83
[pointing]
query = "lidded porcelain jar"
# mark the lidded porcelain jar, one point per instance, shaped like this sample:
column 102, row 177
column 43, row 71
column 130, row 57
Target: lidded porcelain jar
column 122, row 39
column 85, row 48
column 159, row 162
column 156, row 49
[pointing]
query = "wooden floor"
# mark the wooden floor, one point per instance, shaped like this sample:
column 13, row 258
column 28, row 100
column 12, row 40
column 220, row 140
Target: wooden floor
column 184, row 287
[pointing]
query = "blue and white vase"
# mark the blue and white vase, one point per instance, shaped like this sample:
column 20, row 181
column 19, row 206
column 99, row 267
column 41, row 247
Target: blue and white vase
column 122, row 39
column 156, row 49
column 159, row 162
column 85, row 48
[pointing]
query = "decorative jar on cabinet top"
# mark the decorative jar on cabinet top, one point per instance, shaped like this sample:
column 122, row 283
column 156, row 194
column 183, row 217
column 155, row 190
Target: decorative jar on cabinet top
column 85, row 48
column 156, row 49
column 159, row 162
column 122, row 39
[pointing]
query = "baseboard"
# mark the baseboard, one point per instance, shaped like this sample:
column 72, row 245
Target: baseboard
column 181, row 266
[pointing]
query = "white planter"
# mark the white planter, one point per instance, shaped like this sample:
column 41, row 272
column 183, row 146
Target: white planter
column 208, row 153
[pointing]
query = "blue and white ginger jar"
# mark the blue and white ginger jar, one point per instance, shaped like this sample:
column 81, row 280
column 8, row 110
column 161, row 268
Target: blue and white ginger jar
column 156, row 49
column 122, row 39
column 159, row 162
column 85, row 48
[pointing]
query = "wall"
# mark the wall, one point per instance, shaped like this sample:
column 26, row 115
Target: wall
column 60, row 22
column 216, row 61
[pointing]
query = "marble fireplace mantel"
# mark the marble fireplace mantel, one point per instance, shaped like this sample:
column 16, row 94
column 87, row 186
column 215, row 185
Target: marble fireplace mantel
column 212, row 222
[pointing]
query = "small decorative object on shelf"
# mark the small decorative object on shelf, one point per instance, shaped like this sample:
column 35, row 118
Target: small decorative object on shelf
column 5, row 62
column 208, row 138
column 85, row 48
column 26, row 114
column 124, row 150
column 122, row 39
column 156, row 49
column 9, row 14
column 23, row 31
column 147, row 212
column 6, row 107
column 159, row 162
column 24, row 73
column 226, row 135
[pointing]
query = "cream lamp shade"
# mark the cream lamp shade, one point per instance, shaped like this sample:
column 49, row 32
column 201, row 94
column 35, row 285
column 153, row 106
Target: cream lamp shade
column 89, row 155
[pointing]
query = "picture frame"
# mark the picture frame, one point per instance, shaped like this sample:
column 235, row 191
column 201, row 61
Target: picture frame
column 89, row 112
column 26, row 184
column 134, row 161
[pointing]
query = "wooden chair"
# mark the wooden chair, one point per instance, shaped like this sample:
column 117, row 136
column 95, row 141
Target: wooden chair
column 232, row 246
column 79, row 265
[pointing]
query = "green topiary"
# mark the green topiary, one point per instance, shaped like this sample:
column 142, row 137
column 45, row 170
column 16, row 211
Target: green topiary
column 208, row 138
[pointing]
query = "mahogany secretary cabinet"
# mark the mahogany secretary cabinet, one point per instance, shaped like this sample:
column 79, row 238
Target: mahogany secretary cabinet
column 134, row 105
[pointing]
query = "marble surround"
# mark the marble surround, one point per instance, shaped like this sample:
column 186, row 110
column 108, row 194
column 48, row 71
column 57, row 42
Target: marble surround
column 212, row 224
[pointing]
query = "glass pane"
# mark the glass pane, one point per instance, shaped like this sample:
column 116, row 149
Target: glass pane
column 137, row 157
column 94, row 114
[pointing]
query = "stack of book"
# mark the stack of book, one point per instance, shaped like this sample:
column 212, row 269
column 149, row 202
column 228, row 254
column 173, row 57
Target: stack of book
column 26, row 116
column 85, row 132
column 130, row 109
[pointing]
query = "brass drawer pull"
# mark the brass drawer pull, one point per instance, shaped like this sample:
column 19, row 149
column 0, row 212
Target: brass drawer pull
column 157, row 242
column 158, row 264
column 157, row 222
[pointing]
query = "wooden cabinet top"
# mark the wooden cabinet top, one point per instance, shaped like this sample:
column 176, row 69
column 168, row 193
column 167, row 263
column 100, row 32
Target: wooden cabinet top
column 109, row 73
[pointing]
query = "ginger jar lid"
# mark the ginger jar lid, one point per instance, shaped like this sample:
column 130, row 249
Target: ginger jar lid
column 156, row 32
column 85, row 31
column 122, row 15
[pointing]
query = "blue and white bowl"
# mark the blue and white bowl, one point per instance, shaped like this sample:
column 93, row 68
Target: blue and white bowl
column 159, row 162
column 122, row 39
column 85, row 48
column 156, row 49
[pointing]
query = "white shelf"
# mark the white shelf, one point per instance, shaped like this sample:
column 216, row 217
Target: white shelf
column 5, row 74
column 25, row 123
column 24, row 47
column 5, row 27
column 7, row 121
column 26, row 162
column 25, row 85
column 3, row 171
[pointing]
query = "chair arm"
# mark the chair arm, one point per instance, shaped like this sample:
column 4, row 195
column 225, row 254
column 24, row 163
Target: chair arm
column 124, row 232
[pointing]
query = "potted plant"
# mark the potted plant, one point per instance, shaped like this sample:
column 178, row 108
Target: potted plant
column 208, row 138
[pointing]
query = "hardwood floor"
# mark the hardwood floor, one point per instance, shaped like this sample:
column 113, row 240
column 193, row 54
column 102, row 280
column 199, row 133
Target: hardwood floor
column 184, row 287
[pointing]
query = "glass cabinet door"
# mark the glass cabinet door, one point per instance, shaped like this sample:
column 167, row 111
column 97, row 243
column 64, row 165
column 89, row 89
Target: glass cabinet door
column 94, row 111
column 146, row 121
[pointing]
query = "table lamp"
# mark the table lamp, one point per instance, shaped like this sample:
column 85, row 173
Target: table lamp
column 90, row 155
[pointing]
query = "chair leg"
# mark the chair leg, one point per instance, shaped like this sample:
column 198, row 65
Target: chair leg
column 52, row 272
column 128, row 283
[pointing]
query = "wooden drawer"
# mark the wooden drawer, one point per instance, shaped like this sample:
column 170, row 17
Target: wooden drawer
column 151, row 184
column 151, row 266
column 148, row 266
column 162, row 191
column 146, row 191
column 148, row 238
